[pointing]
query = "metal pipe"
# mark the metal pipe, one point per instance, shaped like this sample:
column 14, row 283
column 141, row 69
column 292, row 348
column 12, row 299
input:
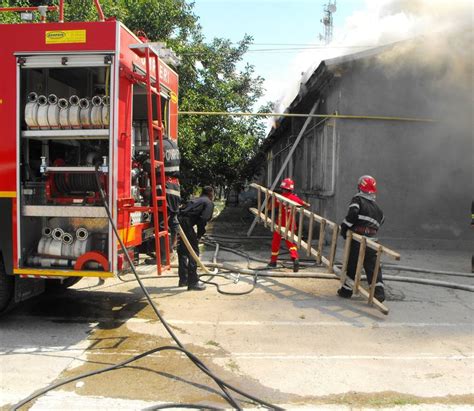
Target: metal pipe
column 47, row 231
column 325, row 116
column 99, row 10
column 61, row 11
column 20, row 9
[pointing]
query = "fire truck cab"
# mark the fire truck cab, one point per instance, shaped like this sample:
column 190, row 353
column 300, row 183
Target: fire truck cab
column 73, row 112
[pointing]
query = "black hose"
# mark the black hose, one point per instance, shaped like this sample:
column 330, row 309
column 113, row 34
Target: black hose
column 177, row 405
column 230, row 399
column 58, row 384
column 223, row 385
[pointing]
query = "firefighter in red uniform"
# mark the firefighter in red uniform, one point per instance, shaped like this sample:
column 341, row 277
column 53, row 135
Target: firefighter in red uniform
column 287, row 186
column 365, row 218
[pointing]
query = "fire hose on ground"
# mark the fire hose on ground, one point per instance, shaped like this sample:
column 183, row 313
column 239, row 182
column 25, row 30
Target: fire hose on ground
column 265, row 273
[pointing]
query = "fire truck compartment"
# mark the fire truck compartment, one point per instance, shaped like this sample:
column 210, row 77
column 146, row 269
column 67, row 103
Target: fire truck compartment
column 64, row 148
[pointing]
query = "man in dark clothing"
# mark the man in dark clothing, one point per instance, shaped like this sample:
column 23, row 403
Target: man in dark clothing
column 365, row 218
column 196, row 213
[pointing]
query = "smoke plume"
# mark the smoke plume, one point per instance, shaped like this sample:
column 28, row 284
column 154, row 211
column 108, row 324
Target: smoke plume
column 383, row 22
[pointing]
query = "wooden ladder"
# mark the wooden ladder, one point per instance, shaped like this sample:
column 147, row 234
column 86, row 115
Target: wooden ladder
column 294, row 212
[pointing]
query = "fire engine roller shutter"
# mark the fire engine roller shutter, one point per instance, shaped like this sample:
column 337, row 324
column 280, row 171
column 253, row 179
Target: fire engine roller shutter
column 65, row 60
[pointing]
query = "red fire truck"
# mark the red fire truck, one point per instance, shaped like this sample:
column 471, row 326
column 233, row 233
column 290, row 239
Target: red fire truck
column 81, row 103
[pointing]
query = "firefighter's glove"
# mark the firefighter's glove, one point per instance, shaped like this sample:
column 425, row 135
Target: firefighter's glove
column 344, row 231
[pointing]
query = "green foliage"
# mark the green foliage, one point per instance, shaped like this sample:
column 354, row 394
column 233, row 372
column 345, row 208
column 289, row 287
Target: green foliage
column 215, row 150
column 9, row 18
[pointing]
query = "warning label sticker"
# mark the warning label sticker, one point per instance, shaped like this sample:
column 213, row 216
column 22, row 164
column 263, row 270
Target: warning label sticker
column 174, row 98
column 65, row 36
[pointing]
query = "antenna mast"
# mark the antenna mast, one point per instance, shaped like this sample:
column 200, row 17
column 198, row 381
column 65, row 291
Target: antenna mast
column 327, row 20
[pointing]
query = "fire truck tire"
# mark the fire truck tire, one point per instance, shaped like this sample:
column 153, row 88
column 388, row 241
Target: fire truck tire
column 7, row 283
column 58, row 285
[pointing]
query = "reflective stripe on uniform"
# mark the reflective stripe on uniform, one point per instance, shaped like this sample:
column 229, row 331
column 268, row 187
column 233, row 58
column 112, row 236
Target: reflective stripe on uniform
column 293, row 248
column 347, row 223
column 369, row 219
column 275, row 252
column 347, row 286
column 175, row 193
column 354, row 205
column 379, row 284
column 171, row 168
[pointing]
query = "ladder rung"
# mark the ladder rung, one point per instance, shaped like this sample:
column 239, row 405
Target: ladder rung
column 161, row 198
column 162, row 233
column 157, row 127
column 159, row 163
column 139, row 77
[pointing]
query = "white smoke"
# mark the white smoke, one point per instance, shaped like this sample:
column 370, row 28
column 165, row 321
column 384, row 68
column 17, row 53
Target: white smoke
column 380, row 22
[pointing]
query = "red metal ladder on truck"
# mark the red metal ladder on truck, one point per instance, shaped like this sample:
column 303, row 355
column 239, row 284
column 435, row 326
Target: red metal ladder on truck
column 158, row 205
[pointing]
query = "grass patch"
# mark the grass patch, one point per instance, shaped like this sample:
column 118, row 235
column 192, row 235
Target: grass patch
column 233, row 366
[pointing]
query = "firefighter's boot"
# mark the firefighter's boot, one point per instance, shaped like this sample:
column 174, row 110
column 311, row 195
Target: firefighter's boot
column 296, row 265
column 272, row 264
column 345, row 291
column 379, row 294
column 199, row 286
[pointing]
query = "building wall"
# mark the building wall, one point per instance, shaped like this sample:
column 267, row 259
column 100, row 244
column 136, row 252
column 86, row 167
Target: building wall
column 424, row 170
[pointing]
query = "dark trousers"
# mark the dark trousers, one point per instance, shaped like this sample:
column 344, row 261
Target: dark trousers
column 369, row 263
column 187, row 269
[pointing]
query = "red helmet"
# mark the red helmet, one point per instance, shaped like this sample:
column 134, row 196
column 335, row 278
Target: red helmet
column 367, row 184
column 287, row 184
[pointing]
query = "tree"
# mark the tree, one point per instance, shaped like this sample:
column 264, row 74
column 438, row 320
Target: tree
column 215, row 149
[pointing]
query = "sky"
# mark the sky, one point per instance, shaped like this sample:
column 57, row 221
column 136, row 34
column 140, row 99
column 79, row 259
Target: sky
column 358, row 25
column 274, row 24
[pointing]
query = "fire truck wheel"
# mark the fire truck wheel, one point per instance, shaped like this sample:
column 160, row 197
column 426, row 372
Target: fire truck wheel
column 58, row 285
column 6, row 287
